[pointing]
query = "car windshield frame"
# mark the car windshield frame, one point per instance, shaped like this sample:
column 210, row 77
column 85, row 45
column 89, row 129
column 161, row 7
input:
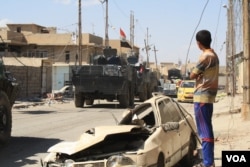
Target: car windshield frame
column 144, row 112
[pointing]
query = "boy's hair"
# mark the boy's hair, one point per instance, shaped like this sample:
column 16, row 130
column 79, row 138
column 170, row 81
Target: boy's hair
column 204, row 37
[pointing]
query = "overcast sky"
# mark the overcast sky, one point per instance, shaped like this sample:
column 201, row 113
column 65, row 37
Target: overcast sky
column 170, row 23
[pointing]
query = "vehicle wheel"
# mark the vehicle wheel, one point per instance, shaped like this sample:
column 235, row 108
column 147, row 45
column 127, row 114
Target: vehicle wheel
column 89, row 101
column 149, row 92
column 124, row 98
column 131, row 96
column 5, row 118
column 143, row 93
column 160, row 161
column 79, row 100
column 188, row 160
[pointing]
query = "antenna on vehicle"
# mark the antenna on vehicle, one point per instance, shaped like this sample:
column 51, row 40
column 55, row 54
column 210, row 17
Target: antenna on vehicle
column 116, row 120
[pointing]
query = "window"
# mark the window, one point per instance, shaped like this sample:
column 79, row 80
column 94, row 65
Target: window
column 37, row 53
column 144, row 112
column 168, row 111
column 188, row 84
column 67, row 56
column 165, row 115
column 147, row 115
column 44, row 54
column 41, row 54
column 18, row 29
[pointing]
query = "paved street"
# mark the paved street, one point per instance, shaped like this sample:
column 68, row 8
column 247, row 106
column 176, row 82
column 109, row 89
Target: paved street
column 36, row 128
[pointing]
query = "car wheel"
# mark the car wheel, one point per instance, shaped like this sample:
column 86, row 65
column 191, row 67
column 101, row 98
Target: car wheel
column 188, row 160
column 160, row 161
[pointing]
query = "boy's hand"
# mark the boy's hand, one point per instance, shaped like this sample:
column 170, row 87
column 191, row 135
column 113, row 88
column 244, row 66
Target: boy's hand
column 199, row 77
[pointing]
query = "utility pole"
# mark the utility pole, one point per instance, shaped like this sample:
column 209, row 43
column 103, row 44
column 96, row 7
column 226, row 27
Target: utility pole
column 80, row 32
column 245, row 110
column 132, row 29
column 230, row 52
column 156, row 66
column 93, row 28
column 147, row 49
column 106, row 27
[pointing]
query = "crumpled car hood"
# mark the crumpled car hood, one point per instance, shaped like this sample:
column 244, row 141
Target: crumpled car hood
column 87, row 139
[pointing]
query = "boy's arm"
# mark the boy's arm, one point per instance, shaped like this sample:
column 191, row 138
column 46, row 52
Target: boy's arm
column 197, row 72
column 193, row 75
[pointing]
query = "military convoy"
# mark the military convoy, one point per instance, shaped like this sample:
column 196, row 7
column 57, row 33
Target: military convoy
column 112, row 77
column 9, row 89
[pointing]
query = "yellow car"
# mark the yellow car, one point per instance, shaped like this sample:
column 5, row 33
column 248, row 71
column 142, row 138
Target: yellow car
column 186, row 91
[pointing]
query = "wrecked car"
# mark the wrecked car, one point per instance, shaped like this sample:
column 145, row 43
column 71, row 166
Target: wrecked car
column 158, row 132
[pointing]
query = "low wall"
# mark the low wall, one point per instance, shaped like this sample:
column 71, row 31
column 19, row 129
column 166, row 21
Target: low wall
column 29, row 78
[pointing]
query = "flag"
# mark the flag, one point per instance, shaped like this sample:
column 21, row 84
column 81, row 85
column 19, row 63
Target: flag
column 124, row 42
column 123, row 35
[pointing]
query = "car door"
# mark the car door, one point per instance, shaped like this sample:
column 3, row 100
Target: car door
column 185, row 128
column 170, row 138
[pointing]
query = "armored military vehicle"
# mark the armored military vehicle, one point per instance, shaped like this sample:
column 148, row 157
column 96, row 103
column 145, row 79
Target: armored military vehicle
column 170, row 88
column 110, row 77
column 146, row 81
column 9, row 89
column 174, row 74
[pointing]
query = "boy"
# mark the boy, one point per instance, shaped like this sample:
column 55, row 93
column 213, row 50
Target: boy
column 206, row 75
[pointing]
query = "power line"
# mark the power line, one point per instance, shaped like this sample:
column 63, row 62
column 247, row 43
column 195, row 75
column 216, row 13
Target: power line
column 194, row 33
column 217, row 25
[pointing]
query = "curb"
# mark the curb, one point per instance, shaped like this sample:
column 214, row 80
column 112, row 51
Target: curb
column 27, row 104
column 233, row 111
column 20, row 104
